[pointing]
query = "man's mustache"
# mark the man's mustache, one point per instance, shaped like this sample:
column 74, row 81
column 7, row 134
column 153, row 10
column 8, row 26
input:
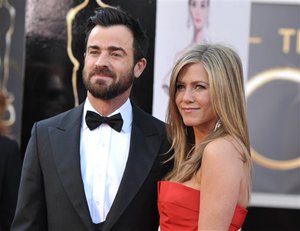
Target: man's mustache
column 103, row 71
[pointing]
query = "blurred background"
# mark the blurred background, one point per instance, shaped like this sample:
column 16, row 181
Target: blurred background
column 41, row 58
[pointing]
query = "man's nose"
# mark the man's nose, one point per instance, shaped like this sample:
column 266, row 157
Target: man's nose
column 102, row 60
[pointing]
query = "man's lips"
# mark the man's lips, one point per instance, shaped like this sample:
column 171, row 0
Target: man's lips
column 102, row 76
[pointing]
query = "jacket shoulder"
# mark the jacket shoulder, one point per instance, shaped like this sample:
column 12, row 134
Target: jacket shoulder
column 63, row 118
column 144, row 119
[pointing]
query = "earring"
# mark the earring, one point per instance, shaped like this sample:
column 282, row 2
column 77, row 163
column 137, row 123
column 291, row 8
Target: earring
column 218, row 124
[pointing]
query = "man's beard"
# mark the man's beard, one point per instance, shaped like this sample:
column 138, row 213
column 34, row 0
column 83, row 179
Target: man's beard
column 103, row 91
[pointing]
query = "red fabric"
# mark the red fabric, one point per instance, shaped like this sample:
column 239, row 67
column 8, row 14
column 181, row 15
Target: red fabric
column 178, row 207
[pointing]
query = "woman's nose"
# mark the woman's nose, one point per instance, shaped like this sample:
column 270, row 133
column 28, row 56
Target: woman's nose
column 188, row 96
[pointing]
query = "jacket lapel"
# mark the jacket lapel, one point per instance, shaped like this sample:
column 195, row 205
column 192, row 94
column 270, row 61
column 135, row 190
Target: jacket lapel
column 65, row 141
column 140, row 161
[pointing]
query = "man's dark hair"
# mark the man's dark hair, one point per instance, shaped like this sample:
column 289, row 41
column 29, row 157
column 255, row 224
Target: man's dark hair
column 110, row 16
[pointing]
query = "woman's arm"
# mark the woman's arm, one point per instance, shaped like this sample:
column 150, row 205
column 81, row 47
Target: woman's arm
column 221, row 175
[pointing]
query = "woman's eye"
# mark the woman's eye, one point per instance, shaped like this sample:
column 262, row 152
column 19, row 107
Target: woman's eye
column 179, row 86
column 200, row 87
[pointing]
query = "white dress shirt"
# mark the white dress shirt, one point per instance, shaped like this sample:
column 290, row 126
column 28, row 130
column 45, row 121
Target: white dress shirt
column 103, row 157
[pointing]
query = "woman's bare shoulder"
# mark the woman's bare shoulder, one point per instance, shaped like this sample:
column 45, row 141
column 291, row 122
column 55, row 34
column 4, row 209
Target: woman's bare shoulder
column 223, row 149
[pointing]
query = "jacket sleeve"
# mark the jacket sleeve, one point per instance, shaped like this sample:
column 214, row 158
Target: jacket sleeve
column 31, row 210
column 11, row 169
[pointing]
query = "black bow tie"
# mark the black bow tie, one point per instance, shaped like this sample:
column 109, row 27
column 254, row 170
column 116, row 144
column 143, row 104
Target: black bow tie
column 93, row 120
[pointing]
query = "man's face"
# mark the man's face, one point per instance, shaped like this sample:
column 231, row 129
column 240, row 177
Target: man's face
column 109, row 64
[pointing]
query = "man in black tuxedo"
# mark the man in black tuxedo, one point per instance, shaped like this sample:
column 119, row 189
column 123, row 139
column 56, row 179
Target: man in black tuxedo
column 96, row 167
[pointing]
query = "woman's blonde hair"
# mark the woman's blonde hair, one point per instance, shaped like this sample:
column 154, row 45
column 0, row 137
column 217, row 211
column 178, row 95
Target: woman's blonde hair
column 225, row 76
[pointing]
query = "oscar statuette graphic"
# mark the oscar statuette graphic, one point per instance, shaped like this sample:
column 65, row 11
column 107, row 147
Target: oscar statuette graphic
column 70, row 18
column 5, row 60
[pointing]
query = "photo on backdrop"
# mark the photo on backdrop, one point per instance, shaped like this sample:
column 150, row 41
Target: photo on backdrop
column 180, row 24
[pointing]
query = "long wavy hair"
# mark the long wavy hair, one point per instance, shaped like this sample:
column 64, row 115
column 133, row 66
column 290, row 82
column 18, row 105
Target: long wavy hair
column 225, row 76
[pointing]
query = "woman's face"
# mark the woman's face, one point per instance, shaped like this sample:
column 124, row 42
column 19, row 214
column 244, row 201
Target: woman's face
column 193, row 98
column 199, row 12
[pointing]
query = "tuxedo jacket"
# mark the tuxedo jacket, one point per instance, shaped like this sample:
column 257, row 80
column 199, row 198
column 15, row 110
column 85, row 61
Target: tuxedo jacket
column 10, row 171
column 51, row 195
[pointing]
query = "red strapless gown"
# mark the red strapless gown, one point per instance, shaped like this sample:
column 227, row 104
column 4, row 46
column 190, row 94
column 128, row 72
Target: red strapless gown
column 178, row 207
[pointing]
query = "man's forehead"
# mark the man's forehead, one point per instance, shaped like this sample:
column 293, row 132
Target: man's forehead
column 116, row 34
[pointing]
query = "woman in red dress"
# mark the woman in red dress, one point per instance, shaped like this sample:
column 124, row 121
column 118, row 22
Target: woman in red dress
column 209, row 186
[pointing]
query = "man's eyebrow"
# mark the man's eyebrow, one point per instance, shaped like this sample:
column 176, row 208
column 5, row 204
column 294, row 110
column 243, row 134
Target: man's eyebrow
column 93, row 47
column 110, row 48
column 114, row 48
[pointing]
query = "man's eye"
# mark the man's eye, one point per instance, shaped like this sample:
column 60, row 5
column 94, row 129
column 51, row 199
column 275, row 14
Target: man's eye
column 116, row 54
column 94, row 52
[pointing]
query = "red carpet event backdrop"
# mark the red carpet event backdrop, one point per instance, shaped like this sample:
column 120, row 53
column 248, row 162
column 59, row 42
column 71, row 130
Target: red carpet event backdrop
column 41, row 57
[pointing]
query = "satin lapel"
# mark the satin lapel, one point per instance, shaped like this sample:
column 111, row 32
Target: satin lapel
column 65, row 140
column 141, row 157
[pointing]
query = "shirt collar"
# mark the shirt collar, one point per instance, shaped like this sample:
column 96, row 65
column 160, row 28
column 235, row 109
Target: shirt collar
column 125, row 110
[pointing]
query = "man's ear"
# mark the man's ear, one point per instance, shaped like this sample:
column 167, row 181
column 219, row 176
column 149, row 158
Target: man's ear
column 139, row 67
